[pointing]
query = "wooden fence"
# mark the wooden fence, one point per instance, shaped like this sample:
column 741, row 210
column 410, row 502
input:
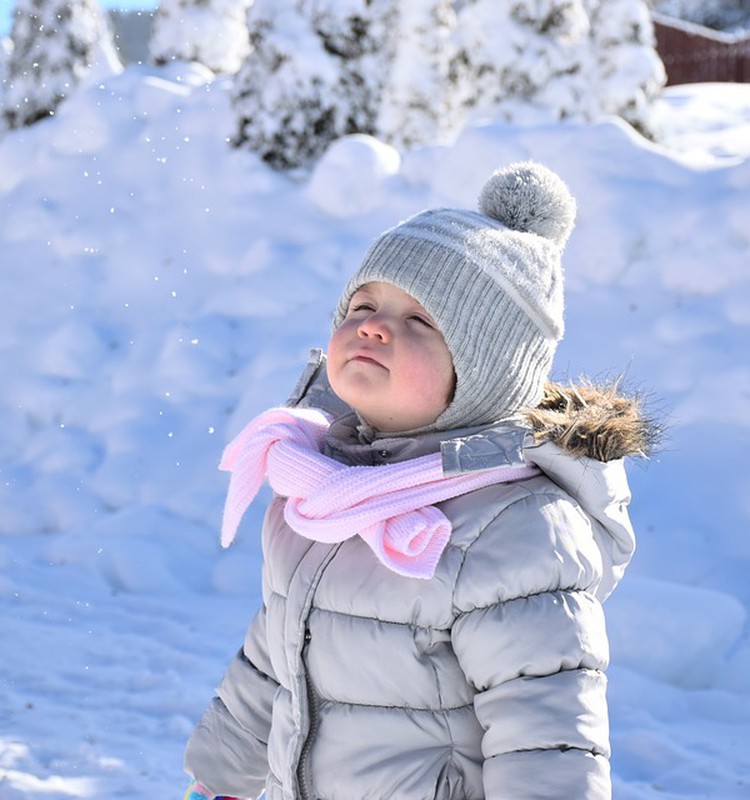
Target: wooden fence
column 695, row 54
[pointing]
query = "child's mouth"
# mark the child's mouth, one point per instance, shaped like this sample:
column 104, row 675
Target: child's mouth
column 365, row 359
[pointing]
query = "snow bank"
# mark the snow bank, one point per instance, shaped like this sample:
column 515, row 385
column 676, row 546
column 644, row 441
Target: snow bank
column 675, row 633
column 348, row 179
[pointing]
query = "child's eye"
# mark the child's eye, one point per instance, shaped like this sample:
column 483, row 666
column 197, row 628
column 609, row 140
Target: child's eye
column 361, row 307
column 424, row 321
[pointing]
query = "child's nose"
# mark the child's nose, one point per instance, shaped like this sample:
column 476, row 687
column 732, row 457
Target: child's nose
column 375, row 327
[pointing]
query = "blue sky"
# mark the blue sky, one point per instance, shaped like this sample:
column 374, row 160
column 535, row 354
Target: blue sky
column 7, row 6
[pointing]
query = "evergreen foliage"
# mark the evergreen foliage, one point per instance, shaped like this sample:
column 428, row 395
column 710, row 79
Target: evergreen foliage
column 419, row 71
column 520, row 60
column 211, row 32
column 414, row 106
column 55, row 42
column 315, row 72
column 624, row 72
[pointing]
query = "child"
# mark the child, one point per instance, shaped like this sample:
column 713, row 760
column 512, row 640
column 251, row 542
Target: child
column 442, row 534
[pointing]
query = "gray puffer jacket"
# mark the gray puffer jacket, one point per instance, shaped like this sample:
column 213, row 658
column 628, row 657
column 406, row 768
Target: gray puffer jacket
column 487, row 681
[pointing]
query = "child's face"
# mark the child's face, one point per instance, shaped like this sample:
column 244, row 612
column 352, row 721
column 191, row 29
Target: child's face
column 389, row 361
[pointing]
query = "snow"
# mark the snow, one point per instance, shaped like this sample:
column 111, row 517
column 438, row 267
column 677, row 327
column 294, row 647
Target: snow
column 727, row 16
column 214, row 34
column 350, row 177
column 159, row 288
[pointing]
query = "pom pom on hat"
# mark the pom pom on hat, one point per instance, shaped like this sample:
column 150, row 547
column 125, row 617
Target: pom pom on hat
column 493, row 282
column 530, row 198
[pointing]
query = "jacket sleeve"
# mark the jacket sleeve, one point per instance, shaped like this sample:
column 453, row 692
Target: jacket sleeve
column 530, row 638
column 227, row 752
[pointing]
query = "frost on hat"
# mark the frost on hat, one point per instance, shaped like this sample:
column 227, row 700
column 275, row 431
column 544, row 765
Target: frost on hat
column 493, row 282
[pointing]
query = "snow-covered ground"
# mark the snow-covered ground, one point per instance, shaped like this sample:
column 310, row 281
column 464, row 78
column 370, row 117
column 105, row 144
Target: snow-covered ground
column 157, row 289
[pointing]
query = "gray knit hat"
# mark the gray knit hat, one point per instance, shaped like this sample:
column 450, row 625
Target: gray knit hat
column 493, row 283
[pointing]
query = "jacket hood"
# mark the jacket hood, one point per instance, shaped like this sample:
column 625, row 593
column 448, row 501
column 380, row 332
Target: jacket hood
column 580, row 438
column 595, row 421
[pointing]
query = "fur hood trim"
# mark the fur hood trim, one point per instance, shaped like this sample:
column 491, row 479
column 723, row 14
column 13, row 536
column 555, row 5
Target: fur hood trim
column 596, row 421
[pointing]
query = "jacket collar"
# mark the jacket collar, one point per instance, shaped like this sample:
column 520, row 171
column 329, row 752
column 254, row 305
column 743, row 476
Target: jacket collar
column 463, row 450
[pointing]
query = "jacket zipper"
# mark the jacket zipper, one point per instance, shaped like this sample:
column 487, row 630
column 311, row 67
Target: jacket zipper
column 304, row 778
column 313, row 707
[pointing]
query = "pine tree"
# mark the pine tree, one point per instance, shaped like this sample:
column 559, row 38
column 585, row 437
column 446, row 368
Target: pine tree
column 625, row 73
column 413, row 107
column 55, row 43
column 514, row 56
column 285, row 93
column 517, row 59
column 358, row 34
column 315, row 72
column 212, row 32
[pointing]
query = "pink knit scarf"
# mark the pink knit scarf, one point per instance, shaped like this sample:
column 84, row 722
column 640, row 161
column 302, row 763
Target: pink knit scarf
column 390, row 506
